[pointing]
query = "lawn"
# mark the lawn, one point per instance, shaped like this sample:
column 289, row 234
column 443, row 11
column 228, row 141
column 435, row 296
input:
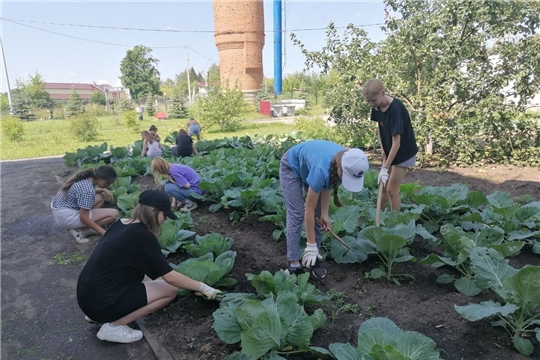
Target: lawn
column 50, row 138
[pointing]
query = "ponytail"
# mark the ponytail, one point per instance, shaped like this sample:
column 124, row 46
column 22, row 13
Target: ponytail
column 81, row 175
column 335, row 181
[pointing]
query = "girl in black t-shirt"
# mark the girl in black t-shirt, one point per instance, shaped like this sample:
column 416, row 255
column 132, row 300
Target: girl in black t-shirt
column 184, row 145
column 396, row 134
column 127, row 276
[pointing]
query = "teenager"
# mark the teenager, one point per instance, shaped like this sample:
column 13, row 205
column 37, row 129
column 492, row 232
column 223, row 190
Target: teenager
column 308, row 174
column 77, row 205
column 128, row 277
column 184, row 145
column 151, row 146
column 396, row 134
column 194, row 128
column 181, row 182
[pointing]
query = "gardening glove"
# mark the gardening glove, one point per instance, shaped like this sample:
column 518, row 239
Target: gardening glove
column 311, row 254
column 209, row 293
column 383, row 176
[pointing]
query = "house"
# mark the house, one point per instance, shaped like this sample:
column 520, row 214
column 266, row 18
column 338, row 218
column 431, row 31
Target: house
column 61, row 91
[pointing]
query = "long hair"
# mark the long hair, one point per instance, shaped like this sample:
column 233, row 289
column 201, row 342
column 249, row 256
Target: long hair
column 148, row 137
column 182, row 131
column 160, row 169
column 148, row 216
column 104, row 172
column 335, row 177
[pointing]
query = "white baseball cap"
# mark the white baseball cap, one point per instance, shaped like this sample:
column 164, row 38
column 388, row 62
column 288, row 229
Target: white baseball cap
column 354, row 165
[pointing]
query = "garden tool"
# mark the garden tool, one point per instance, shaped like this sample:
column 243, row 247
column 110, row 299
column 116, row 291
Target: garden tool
column 379, row 205
column 335, row 235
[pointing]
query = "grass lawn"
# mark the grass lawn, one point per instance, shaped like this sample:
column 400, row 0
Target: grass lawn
column 52, row 137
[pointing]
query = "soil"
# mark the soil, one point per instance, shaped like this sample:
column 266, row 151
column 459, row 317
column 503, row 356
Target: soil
column 185, row 326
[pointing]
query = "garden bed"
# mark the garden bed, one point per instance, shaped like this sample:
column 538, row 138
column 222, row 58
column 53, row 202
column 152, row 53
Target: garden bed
column 185, row 326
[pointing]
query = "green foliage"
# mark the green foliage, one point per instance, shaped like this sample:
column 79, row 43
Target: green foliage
column 177, row 109
column 174, row 233
column 131, row 120
column 33, row 91
column 98, row 97
column 150, row 106
column 69, row 259
column 520, row 289
column 221, row 108
column 126, row 105
column 467, row 112
column 4, row 104
column 12, row 128
column 381, row 338
column 209, row 243
column 139, row 72
column 207, row 270
column 85, row 127
column 21, row 108
column 74, row 105
column 213, row 76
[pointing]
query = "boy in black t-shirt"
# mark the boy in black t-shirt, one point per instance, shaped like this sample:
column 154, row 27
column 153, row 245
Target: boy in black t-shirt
column 396, row 134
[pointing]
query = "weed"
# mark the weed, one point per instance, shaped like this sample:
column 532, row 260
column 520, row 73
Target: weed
column 67, row 259
column 340, row 305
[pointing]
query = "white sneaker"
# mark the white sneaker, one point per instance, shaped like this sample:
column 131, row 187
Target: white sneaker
column 77, row 236
column 89, row 232
column 90, row 320
column 120, row 334
column 189, row 206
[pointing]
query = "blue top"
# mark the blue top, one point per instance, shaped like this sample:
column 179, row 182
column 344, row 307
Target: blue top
column 311, row 160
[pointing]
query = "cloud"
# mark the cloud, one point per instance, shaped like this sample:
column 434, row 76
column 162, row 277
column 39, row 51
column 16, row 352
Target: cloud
column 102, row 82
column 118, row 83
column 71, row 73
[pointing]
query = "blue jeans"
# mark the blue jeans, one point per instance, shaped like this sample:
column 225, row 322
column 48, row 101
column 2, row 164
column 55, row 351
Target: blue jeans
column 180, row 193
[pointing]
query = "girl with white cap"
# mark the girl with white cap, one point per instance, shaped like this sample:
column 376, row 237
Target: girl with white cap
column 315, row 168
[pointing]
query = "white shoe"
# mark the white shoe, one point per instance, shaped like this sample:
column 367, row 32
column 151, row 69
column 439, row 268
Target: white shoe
column 189, row 206
column 120, row 334
column 90, row 320
column 77, row 236
column 89, row 232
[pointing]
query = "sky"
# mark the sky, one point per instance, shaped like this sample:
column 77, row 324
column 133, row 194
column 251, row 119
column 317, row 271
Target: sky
column 36, row 45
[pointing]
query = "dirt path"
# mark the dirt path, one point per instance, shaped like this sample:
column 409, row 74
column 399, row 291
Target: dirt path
column 40, row 315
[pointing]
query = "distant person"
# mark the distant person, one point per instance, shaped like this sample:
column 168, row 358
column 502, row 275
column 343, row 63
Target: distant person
column 153, row 130
column 77, row 205
column 184, row 145
column 50, row 114
column 151, row 146
column 398, row 142
column 128, row 277
column 181, row 182
column 194, row 128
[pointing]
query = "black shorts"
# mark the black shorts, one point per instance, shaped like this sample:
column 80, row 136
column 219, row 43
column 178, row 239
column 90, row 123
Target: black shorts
column 131, row 301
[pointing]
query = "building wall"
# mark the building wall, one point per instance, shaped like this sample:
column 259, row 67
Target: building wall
column 239, row 36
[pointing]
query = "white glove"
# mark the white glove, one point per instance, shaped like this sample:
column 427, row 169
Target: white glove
column 311, row 254
column 208, row 292
column 383, row 176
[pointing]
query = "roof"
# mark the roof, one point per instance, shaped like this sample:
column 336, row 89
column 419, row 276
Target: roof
column 69, row 86
column 66, row 96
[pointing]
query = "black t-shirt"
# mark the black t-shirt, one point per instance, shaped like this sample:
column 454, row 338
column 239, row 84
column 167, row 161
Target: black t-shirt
column 184, row 142
column 119, row 262
column 396, row 120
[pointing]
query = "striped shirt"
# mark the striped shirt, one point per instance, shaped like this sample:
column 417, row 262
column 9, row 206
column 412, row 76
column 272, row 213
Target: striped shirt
column 81, row 195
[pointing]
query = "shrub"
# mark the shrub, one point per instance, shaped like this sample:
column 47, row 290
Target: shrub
column 130, row 118
column 74, row 105
column 125, row 105
column 150, row 108
column 12, row 128
column 85, row 127
column 177, row 109
column 222, row 108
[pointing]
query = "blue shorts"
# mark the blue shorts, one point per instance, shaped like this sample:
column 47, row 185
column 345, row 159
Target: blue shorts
column 194, row 129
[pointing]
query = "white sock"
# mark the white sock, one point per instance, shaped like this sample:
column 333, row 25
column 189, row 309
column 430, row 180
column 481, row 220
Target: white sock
column 112, row 325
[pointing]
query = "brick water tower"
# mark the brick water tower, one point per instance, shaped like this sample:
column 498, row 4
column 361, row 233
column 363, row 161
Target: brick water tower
column 239, row 34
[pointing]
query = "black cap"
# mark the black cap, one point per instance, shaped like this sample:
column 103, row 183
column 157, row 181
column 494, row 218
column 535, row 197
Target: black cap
column 158, row 200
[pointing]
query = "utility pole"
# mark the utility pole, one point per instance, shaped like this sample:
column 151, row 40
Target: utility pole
column 187, row 61
column 7, row 77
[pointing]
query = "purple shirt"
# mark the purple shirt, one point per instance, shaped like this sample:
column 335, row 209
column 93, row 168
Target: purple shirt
column 183, row 174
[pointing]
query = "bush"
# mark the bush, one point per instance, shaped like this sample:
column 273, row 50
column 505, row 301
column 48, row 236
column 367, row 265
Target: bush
column 12, row 128
column 85, row 127
column 131, row 120
column 150, row 107
column 222, row 108
column 74, row 105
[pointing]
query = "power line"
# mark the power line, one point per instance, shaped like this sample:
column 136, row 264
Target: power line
column 16, row 21
column 317, row 10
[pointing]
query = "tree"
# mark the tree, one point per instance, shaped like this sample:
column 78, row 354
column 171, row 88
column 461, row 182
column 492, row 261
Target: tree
column 98, row 97
column 21, row 108
column 150, row 107
column 74, row 105
column 167, row 87
column 4, row 104
column 181, row 82
column 221, row 108
column 177, row 110
column 34, row 91
column 452, row 62
column 139, row 73
column 213, row 76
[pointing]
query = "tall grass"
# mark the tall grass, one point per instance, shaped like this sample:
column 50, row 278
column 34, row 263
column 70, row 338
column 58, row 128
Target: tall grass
column 52, row 137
